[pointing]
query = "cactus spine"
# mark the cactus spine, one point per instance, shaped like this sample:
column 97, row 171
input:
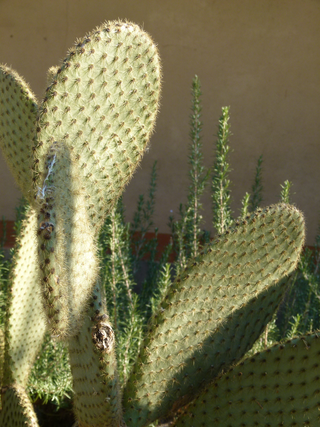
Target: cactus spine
column 89, row 133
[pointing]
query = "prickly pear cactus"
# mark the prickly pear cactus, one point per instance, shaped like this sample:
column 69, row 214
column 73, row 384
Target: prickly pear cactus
column 101, row 106
column 89, row 134
column 69, row 265
column 25, row 322
column 97, row 396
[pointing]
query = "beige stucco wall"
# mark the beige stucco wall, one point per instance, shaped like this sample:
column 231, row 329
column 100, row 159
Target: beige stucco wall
column 261, row 57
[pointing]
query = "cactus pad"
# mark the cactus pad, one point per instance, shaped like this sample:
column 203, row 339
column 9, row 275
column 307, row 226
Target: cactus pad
column 18, row 112
column 25, row 322
column 102, row 103
column 17, row 410
column 68, row 262
column 247, row 260
column 277, row 387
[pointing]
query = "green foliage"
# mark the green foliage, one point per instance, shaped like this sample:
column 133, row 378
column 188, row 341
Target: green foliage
column 50, row 379
column 197, row 174
column 285, row 192
column 143, row 218
column 245, row 205
column 186, row 231
column 257, row 188
column 4, row 270
column 115, row 246
column 220, row 183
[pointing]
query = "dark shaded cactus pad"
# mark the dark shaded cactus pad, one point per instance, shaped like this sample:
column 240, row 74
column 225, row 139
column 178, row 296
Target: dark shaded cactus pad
column 277, row 387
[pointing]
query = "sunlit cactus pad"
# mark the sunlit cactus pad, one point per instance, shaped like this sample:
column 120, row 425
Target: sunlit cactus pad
column 100, row 107
column 18, row 113
column 67, row 250
column 25, row 323
column 102, row 102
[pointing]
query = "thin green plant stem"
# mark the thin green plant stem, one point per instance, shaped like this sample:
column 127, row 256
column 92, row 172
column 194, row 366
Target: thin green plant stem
column 285, row 192
column 143, row 220
column 125, row 275
column 221, row 209
column 245, row 205
column 198, row 175
column 257, row 187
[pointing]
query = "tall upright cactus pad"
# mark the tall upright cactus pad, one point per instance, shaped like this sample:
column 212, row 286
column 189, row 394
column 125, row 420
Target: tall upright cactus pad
column 18, row 113
column 24, row 329
column 67, row 253
column 102, row 103
column 25, row 322
column 246, row 261
column 277, row 387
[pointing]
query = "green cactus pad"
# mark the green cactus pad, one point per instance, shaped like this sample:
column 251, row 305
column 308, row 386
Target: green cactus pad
column 17, row 410
column 277, row 387
column 97, row 399
column 102, row 103
column 18, row 111
column 25, row 322
column 68, row 263
column 244, row 262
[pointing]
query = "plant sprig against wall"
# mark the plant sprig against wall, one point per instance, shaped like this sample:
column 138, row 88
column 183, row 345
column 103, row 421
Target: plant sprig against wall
column 72, row 155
